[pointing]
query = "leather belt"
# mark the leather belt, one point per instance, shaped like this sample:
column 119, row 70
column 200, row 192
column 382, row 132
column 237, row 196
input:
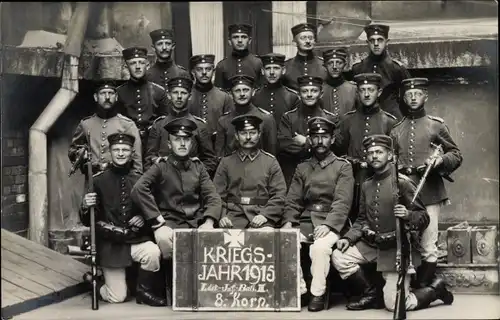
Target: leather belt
column 248, row 200
column 319, row 207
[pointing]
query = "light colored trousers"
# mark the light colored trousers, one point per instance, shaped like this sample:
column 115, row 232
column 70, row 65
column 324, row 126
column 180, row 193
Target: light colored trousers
column 430, row 235
column 347, row 263
column 320, row 253
column 114, row 289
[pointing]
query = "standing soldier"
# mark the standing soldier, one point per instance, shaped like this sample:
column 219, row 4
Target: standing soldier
column 318, row 202
column 379, row 61
column 274, row 96
column 95, row 130
column 241, row 60
column 122, row 236
column 250, row 181
column 339, row 95
column 242, row 91
column 165, row 67
column 207, row 101
column 177, row 191
column 140, row 100
column 179, row 92
column 366, row 120
column 305, row 62
column 373, row 235
column 414, row 135
column 294, row 147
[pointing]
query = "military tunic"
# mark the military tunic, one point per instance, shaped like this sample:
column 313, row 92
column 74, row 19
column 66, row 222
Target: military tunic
column 320, row 193
column 277, row 99
column 225, row 142
column 297, row 66
column 161, row 72
column 209, row 103
column 250, row 185
column 376, row 212
column 392, row 72
column 413, row 136
column 339, row 97
column 295, row 121
column 99, row 129
column 237, row 64
column 113, row 187
column 157, row 145
column 180, row 191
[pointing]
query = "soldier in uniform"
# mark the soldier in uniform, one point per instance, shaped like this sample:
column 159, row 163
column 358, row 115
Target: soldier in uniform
column 318, row 202
column 177, row 191
column 294, row 147
column 157, row 146
column 356, row 125
column 274, row 96
column 165, row 67
column 242, row 91
column 413, row 136
column 373, row 237
column 122, row 237
column 305, row 62
column 139, row 99
column 207, row 101
column 96, row 129
column 250, row 181
column 241, row 60
column 339, row 95
column 379, row 61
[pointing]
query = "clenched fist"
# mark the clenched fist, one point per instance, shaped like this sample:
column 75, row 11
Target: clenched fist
column 90, row 199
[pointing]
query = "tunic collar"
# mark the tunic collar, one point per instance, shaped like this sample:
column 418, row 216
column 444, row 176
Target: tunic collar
column 165, row 64
column 326, row 161
column 369, row 110
column 416, row 114
column 121, row 170
column 310, row 56
column 335, row 82
column 178, row 162
column 383, row 175
column 251, row 155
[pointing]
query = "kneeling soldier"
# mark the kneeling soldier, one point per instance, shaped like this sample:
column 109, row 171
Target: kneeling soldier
column 122, row 238
column 375, row 227
column 319, row 200
column 250, row 181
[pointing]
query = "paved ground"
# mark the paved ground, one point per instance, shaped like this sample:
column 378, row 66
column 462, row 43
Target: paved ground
column 78, row 308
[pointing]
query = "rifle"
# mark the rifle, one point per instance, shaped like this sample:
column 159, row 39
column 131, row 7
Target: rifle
column 79, row 160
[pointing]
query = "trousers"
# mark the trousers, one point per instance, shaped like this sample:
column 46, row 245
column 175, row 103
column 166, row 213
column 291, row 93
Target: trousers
column 430, row 235
column 114, row 289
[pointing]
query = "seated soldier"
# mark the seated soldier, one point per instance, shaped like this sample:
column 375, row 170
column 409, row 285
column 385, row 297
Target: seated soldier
column 319, row 200
column 177, row 191
column 121, row 234
column 250, row 181
column 375, row 227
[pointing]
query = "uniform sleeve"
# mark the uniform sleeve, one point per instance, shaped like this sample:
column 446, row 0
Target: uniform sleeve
column 207, row 154
column 356, row 232
column 137, row 156
column 419, row 218
column 277, row 192
column 295, row 102
column 163, row 102
column 211, row 199
column 78, row 141
column 219, row 76
column 342, row 199
column 220, row 182
column 452, row 157
column 285, row 138
column 270, row 136
column 341, row 138
column 142, row 194
column 294, row 205
column 84, row 213
column 152, row 146
column 220, row 139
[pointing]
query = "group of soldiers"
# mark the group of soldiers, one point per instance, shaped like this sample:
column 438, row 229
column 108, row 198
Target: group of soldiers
column 264, row 142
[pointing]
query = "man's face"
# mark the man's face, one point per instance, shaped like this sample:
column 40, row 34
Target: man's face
column 368, row 94
column 305, row 41
column 120, row 153
column 248, row 138
column 321, row 142
column 242, row 93
column 273, row 72
column 137, row 67
column 310, row 95
column 163, row 48
column 203, row 72
column 105, row 98
column 335, row 66
column 378, row 157
column 179, row 97
column 180, row 145
column 377, row 44
column 415, row 98
column 239, row 41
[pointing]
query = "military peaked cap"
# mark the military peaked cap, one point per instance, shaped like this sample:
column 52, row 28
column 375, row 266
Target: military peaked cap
column 246, row 122
column 381, row 140
column 105, row 84
column 340, row 53
column 161, row 34
column 368, row 78
column 415, row 83
column 240, row 28
column 242, row 79
column 273, row 58
column 320, row 125
column 135, row 52
column 181, row 127
column 377, row 29
column 309, row 81
column 180, row 82
column 301, row 27
column 201, row 58
column 123, row 138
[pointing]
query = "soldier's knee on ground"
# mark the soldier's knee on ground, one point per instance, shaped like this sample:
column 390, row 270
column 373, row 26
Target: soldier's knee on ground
column 151, row 259
column 389, row 298
column 115, row 294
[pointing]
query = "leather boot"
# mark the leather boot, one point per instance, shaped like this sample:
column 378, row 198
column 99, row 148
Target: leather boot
column 436, row 291
column 317, row 303
column 144, row 292
column 426, row 274
column 369, row 298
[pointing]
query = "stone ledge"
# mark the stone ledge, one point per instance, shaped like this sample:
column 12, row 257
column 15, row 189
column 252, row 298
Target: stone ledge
column 470, row 278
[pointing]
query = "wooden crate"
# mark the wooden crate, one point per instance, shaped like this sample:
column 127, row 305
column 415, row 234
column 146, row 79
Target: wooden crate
column 459, row 245
column 484, row 244
column 236, row 270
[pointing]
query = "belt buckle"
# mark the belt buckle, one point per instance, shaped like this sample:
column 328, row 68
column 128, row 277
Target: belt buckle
column 317, row 207
column 245, row 200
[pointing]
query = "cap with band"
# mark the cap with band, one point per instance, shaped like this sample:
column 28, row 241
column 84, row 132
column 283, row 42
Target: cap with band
column 302, row 27
column 246, row 122
column 242, row 79
column 377, row 29
column 121, row 138
column 135, row 52
column 415, row 83
column 310, row 81
column 161, row 34
column 368, row 78
column 273, row 58
column 181, row 127
column 240, row 28
column 320, row 125
column 180, row 82
column 380, row 140
column 340, row 53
